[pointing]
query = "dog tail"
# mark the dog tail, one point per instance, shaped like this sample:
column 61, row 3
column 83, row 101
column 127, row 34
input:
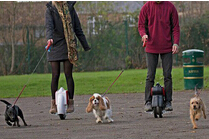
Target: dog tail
column 5, row 102
column 196, row 92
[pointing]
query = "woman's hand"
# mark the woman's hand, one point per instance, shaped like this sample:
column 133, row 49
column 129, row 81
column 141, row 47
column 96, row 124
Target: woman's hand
column 50, row 41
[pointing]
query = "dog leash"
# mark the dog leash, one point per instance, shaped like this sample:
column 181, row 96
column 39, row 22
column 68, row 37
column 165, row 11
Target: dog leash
column 47, row 49
column 112, row 84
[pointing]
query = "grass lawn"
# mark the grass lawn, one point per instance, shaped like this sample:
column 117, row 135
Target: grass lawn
column 131, row 81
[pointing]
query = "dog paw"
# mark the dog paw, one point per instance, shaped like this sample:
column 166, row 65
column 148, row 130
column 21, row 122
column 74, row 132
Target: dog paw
column 194, row 127
column 110, row 120
column 9, row 123
column 99, row 121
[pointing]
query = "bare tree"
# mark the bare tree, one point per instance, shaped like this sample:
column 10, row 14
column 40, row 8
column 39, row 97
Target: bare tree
column 8, row 19
column 13, row 15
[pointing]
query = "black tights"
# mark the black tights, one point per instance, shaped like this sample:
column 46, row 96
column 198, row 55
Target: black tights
column 68, row 68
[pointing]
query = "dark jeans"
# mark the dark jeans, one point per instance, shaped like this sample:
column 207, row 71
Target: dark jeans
column 152, row 61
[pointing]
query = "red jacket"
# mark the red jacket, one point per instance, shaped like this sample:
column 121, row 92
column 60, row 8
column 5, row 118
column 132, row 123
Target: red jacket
column 160, row 22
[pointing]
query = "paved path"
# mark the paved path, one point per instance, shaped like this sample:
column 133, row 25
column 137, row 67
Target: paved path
column 130, row 120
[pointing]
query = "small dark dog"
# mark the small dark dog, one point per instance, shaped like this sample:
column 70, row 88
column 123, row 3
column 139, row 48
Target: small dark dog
column 12, row 113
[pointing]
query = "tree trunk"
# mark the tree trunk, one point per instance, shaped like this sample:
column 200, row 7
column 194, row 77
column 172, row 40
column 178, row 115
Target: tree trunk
column 13, row 39
column 13, row 52
column 3, row 65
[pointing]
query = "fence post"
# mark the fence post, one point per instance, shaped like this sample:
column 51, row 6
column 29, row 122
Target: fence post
column 126, row 35
column 28, row 46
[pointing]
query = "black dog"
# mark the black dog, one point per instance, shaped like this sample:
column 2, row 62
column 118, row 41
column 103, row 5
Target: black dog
column 12, row 113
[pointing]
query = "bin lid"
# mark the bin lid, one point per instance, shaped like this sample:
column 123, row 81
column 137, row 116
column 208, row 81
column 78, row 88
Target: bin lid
column 192, row 51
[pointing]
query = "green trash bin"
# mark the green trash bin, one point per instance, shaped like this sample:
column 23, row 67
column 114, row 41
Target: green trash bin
column 193, row 68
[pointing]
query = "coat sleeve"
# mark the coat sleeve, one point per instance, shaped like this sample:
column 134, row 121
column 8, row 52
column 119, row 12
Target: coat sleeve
column 79, row 33
column 175, row 28
column 49, row 24
column 142, row 21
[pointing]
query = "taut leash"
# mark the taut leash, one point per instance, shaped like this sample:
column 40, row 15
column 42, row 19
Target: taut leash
column 47, row 47
column 112, row 84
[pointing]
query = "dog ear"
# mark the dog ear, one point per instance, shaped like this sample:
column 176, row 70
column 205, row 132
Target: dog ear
column 89, row 108
column 108, row 103
column 203, row 108
column 101, row 104
column 201, row 103
column 91, row 98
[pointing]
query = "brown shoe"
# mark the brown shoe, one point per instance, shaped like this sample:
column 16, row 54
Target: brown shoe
column 70, row 107
column 53, row 109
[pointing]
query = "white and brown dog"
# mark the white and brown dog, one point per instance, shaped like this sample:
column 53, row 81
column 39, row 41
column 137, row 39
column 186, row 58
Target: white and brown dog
column 196, row 108
column 101, row 108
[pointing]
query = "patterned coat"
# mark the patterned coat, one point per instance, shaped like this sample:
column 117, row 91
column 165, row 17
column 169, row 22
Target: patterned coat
column 55, row 31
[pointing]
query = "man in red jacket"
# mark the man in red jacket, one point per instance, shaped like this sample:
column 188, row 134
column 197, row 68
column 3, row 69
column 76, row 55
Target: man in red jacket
column 159, row 26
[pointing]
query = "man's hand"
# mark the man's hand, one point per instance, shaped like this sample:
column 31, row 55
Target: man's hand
column 175, row 48
column 144, row 38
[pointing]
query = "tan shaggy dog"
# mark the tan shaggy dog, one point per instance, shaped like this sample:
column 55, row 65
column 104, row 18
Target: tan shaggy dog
column 196, row 108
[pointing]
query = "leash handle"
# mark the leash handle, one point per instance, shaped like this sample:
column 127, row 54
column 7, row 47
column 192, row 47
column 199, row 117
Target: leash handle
column 48, row 46
column 113, row 83
column 145, row 42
